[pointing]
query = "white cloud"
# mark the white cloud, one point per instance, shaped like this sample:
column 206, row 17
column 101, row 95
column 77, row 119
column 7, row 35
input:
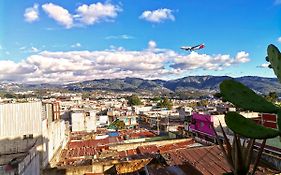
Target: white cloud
column 31, row 49
column 22, row 48
column 59, row 14
column 242, row 57
column 34, row 49
column 264, row 65
column 152, row 44
column 208, row 62
column 158, row 15
column 279, row 39
column 76, row 45
column 85, row 14
column 31, row 14
column 62, row 67
column 94, row 13
column 124, row 36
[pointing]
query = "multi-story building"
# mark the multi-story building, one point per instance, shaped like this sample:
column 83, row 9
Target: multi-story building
column 83, row 120
column 30, row 134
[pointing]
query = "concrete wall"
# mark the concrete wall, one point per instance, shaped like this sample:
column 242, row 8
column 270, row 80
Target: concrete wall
column 81, row 121
column 103, row 120
column 77, row 121
column 31, row 164
column 20, row 119
column 55, row 132
column 8, row 146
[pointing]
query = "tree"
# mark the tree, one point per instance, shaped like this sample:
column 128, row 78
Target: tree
column 156, row 99
column 217, row 95
column 165, row 103
column 86, row 95
column 272, row 97
column 117, row 125
column 9, row 95
column 134, row 100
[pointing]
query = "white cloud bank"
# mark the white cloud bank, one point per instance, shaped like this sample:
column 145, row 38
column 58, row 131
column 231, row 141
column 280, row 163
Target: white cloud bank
column 84, row 14
column 158, row 15
column 71, row 66
column 279, row 39
column 209, row 62
column 31, row 14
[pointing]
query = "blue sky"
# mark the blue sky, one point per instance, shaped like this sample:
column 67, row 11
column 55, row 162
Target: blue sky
column 67, row 40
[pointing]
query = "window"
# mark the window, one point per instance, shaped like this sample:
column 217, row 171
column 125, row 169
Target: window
column 29, row 136
column 201, row 124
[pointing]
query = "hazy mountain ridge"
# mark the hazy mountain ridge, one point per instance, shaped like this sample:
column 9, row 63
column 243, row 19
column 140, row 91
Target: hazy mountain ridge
column 201, row 83
column 207, row 83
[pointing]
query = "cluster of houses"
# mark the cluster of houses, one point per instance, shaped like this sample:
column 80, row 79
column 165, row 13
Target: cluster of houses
column 71, row 135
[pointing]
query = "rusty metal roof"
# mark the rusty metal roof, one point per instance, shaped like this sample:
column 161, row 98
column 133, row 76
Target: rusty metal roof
column 208, row 160
column 185, row 169
column 173, row 146
column 149, row 149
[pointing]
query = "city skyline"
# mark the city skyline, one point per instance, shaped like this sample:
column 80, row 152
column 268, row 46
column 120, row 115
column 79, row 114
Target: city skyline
column 61, row 41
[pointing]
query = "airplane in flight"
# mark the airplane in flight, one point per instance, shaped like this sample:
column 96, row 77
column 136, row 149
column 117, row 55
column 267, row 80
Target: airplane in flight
column 188, row 48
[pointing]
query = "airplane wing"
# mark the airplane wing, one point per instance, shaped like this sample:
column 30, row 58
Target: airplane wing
column 200, row 46
column 186, row 48
column 197, row 47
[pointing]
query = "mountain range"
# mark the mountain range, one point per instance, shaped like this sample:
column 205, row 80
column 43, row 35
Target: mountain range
column 196, row 83
column 191, row 83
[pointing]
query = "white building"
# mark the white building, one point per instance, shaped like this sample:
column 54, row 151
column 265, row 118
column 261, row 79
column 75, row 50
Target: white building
column 20, row 136
column 102, row 120
column 30, row 135
column 83, row 120
column 19, row 119
column 141, row 109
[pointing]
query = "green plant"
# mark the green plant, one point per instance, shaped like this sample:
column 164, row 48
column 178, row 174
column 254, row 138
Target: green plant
column 165, row 103
column 237, row 154
column 274, row 57
column 117, row 125
column 134, row 100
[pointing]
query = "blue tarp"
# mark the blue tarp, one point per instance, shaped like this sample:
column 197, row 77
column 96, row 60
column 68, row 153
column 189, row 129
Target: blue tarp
column 113, row 134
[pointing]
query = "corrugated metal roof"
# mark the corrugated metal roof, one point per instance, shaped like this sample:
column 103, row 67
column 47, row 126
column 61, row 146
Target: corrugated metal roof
column 208, row 160
column 150, row 149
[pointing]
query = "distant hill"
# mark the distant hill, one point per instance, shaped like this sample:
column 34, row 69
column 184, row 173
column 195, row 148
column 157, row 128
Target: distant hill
column 204, row 84
column 201, row 83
